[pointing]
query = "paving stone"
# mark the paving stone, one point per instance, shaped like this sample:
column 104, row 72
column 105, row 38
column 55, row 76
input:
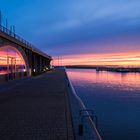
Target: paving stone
column 36, row 109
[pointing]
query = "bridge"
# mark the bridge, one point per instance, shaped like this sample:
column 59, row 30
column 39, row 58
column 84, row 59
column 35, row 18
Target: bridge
column 44, row 107
column 19, row 58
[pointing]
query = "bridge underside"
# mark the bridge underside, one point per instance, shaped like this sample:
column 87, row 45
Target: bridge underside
column 18, row 60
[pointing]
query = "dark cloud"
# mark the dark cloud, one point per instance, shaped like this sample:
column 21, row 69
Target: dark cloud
column 65, row 27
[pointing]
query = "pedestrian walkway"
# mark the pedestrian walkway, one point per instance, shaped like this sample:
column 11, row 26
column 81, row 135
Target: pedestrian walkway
column 36, row 109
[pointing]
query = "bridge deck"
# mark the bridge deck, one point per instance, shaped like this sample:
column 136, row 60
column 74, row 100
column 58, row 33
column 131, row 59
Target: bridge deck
column 36, row 109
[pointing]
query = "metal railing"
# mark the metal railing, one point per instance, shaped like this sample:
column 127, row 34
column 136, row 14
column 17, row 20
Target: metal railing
column 84, row 121
column 20, row 39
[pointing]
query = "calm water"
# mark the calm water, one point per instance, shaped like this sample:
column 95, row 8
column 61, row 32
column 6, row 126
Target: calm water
column 115, row 98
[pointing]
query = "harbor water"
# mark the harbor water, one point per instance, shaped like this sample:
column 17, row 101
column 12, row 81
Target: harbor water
column 115, row 99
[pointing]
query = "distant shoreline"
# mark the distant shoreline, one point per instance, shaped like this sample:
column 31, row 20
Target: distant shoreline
column 108, row 68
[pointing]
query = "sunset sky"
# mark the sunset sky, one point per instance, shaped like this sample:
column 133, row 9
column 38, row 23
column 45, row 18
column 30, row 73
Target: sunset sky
column 80, row 32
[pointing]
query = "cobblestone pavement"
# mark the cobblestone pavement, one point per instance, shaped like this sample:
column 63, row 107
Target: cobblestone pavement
column 36, row 109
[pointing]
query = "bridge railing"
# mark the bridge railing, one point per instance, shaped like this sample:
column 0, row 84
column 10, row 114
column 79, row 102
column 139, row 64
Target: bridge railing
column 17, row 37
column 10, row 33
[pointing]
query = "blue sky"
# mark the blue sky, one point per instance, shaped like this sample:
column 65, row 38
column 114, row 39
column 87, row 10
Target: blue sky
column 64, row 27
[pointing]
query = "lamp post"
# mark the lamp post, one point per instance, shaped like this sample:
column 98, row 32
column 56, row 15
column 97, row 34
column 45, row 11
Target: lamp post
column 58, row 61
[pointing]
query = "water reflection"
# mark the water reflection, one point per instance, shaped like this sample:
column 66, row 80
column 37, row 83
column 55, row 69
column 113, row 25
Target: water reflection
column 125, row 81
column 115, row 98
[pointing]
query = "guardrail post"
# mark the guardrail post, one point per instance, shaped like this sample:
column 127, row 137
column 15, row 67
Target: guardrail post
column 80, row 129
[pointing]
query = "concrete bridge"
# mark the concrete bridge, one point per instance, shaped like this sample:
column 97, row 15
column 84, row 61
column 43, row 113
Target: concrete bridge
column 19, row 58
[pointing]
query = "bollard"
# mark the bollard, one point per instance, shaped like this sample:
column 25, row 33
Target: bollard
column 80, row 129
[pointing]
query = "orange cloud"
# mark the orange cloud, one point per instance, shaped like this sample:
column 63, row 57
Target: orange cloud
column 122, row 59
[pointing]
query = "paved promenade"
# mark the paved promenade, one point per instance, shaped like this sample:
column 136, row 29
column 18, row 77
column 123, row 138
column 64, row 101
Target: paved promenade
column 36, row 109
